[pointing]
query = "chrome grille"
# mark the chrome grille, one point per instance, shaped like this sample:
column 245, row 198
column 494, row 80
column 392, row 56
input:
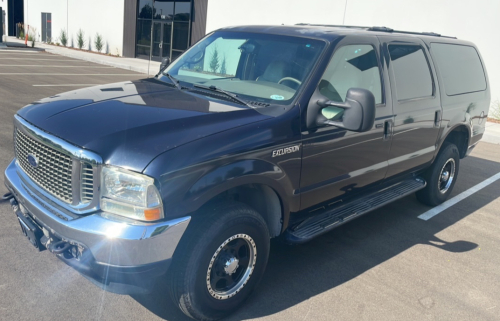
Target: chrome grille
column 54, row 168
column 87, row 183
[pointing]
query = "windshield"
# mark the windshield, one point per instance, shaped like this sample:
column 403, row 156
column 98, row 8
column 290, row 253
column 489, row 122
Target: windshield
column 259, row 68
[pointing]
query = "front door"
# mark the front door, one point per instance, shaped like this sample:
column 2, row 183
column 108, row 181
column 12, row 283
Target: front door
column 336, row 162
column 162, row 40
column 46, row 27
column 416, row 104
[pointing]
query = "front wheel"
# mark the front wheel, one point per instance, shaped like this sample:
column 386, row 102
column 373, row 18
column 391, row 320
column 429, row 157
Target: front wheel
column 219, row 261
column 441, row 176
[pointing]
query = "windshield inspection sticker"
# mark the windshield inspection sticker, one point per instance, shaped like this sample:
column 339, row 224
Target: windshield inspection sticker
column 286, row 150
column 277, row 97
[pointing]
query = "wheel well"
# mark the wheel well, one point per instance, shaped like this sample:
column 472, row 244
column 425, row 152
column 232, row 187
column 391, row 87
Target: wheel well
column 460, row 137
column 260, row 197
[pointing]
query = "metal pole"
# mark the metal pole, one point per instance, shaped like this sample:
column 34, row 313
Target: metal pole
column 151, row 46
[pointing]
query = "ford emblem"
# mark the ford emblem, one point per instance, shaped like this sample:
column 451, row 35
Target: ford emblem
column 32, row 160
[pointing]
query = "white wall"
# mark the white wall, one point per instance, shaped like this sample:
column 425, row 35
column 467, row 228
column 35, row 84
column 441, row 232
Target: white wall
column 92, row 16
column 3, row 5
column 476, row 21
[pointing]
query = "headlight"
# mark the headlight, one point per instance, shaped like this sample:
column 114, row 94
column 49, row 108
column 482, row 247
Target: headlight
column 130, row 194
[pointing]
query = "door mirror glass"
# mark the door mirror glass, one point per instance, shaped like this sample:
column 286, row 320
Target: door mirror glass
column 332, row 113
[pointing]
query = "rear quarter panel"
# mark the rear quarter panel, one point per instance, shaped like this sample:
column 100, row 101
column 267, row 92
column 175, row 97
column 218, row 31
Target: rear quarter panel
column 468, row 110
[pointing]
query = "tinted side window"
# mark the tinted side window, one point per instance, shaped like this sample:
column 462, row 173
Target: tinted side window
column 411, row 71
column 353, row 66
column 460, row 68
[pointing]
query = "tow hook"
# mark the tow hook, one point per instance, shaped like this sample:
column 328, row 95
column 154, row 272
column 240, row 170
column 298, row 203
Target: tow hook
column 58, row 247
column 6, row 197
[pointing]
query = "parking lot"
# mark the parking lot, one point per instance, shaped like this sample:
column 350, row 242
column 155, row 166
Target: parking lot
column 387, row 265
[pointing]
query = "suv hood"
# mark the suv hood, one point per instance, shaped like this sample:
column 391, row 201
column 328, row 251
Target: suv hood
column 128, row 124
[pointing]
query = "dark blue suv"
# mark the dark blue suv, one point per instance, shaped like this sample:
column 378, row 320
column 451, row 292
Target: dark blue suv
column 255, row 132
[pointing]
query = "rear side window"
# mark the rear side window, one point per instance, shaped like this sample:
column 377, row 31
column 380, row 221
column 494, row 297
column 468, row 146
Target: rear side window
column 411, row 72
column 460, row 68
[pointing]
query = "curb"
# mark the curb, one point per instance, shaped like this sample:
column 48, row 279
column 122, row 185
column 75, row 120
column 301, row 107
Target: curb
column 102, row 62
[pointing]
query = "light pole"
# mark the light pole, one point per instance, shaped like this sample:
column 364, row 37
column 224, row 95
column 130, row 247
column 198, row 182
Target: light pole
column 151, row 45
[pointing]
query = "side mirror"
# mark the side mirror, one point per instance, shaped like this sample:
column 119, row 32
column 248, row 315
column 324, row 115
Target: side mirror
column 358, row 111
column 164, row 63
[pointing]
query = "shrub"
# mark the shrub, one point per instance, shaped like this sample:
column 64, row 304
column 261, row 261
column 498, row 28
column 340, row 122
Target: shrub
column 32, row 36
column 98, row 42
column 80, row 39
column 63, row 37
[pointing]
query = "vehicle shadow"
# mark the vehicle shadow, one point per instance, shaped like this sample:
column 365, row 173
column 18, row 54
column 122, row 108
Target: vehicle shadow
column 297, row 273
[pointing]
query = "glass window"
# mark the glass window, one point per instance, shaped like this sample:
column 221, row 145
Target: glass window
column 182, row 11
column 460, row 68
column 164, row 9
column 258, row 67
column 144, row 32
column 145, row 10
column 411, row 71
column 142, row 50
column 181, row 35
column 353, row 66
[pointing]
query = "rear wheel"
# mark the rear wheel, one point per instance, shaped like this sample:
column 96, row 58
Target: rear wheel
column 441, row 176
column 219, row 261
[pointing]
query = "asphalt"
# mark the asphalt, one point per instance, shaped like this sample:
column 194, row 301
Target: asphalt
column 386, row 265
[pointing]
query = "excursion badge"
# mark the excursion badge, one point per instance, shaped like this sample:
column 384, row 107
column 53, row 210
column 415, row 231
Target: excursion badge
column 286, row 150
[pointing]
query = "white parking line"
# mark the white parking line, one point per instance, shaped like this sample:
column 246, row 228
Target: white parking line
column 43, row 74
column 24, row 51
column 67, row 85
column 55, row 59
column 55, row 66
column 452, row 201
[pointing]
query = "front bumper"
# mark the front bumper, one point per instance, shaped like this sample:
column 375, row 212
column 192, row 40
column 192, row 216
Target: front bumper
column 109, row 243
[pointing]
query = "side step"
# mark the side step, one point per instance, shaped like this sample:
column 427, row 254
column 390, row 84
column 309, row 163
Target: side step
column 331, row 218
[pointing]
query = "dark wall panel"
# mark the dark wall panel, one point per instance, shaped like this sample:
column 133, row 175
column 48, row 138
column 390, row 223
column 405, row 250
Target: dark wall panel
column 129, row 28
column 199, row 26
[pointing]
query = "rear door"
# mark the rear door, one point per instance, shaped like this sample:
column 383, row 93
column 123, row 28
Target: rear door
column 337, row 162
column 416, row 103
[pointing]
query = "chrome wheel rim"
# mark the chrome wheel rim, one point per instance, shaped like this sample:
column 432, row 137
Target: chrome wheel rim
column 446, row 176
column 231, row 266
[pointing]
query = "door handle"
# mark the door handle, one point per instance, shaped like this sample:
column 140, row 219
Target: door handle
column 161, row 44
column 387, row 129
column 379, row 125
column 437, row 118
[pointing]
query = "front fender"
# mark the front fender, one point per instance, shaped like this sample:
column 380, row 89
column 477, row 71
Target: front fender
column 243, row 172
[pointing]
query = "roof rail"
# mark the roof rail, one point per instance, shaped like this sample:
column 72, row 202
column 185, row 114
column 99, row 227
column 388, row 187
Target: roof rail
column 379, row 29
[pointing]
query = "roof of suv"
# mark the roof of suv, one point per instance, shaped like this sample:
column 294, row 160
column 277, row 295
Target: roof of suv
column 330, row 32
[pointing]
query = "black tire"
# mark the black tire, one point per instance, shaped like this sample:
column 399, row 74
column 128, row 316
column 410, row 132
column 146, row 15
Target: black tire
column 437, row 191
column 207, row 232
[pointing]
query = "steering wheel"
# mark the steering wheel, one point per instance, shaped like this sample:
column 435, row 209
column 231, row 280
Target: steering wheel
column 291, row 79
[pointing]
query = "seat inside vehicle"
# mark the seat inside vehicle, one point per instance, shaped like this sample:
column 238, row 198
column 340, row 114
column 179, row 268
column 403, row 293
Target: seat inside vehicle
column 275, row 71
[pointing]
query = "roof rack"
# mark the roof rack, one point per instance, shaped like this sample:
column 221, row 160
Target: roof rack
column 379, row 29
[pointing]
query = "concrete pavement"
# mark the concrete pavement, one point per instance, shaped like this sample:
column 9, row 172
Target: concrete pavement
column 492, row 133
column 134, row 64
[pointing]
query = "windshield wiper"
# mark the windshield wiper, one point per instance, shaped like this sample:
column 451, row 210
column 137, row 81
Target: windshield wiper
column 174, row 80
column 227, row 93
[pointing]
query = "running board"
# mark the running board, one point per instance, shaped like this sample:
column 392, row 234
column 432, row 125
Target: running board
column 332, row 218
